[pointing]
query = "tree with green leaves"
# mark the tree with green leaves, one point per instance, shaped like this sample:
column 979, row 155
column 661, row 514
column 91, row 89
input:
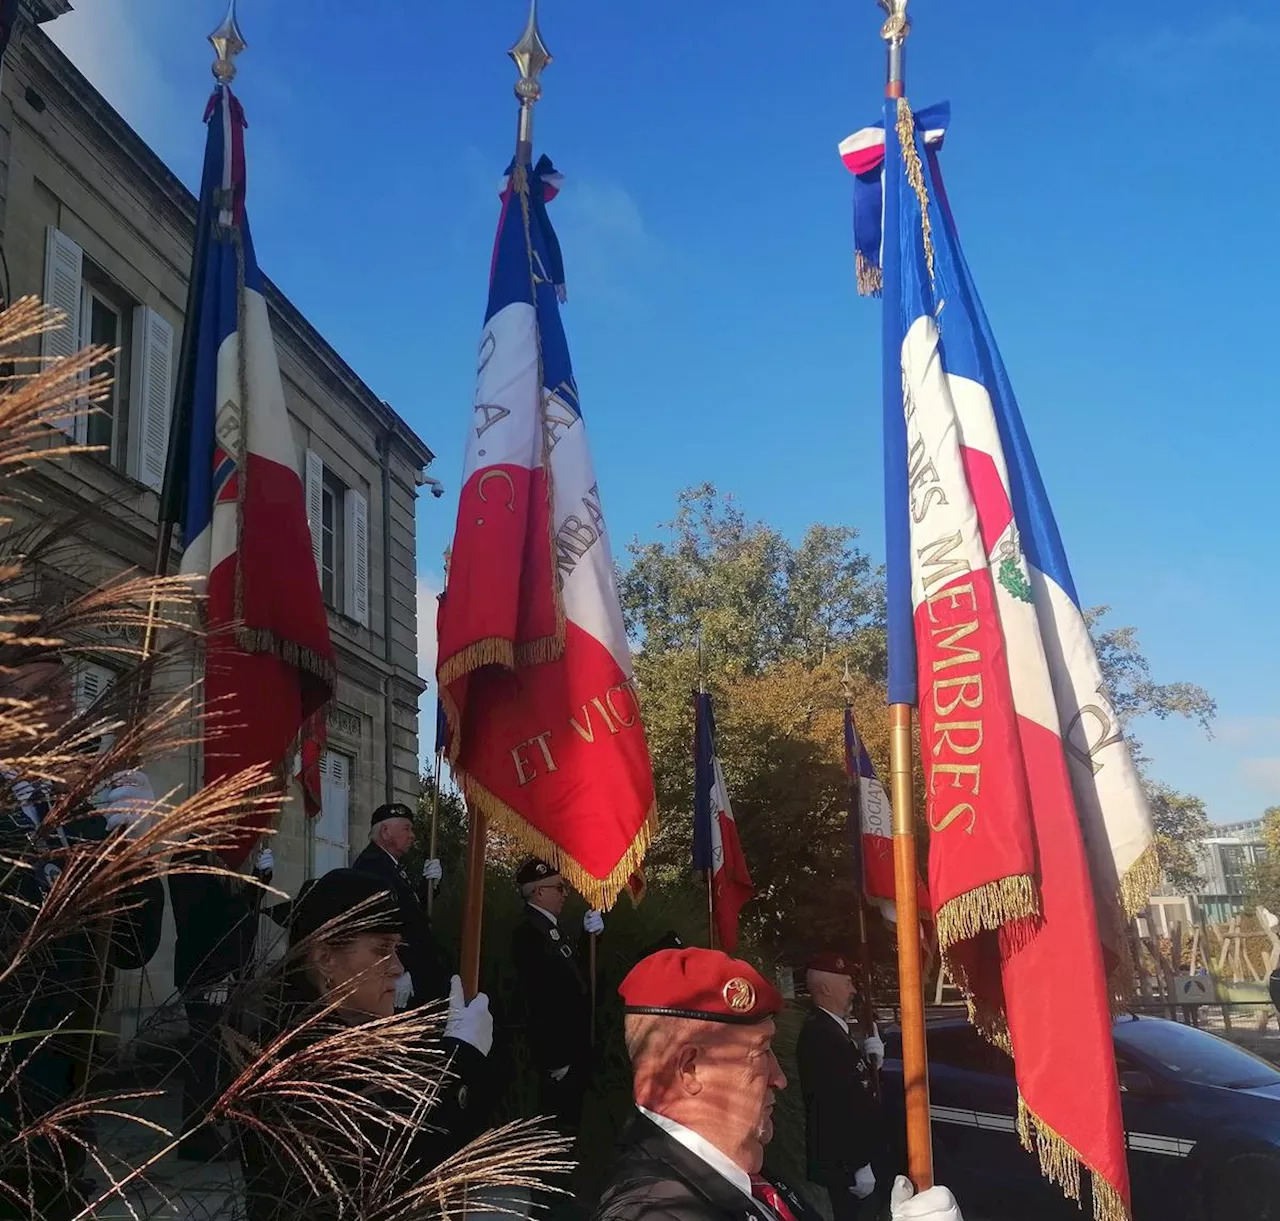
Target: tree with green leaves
column 1181, row 820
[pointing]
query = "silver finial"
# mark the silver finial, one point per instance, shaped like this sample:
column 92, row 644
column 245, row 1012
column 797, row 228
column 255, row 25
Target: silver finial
column 531, row 57
column 847, row 683
column 228, row 42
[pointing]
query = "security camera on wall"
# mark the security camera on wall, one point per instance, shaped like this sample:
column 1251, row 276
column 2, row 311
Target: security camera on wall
column 425, row 480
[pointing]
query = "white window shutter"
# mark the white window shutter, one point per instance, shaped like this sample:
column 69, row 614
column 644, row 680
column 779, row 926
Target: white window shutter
column 90, row 682
column 315, row 501
column 331, row 837
column 152, row 394
column 63, row 274
column 356, row 559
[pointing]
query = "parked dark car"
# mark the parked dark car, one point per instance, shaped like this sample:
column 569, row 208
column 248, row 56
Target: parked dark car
column 1201, row 1117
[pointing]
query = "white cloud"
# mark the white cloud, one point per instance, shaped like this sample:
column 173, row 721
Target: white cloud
column 116, row 44
column 608, row 247
column 429, row 587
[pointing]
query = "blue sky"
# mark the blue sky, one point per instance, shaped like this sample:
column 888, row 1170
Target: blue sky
column 1116, row 204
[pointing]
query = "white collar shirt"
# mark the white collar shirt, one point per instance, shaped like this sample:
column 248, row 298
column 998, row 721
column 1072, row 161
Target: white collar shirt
column 705, row 1151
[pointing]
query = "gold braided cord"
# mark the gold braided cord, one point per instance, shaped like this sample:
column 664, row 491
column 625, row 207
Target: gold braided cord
column 906, row 128
column 1062, row 1164
column 987, row 908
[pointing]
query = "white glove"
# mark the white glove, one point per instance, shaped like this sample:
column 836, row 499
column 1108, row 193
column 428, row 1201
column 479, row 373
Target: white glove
column 404, row 989
column 864, row 1183
column 469, row 1023
column 873, row 1049
column 266, row 862
column 432, row 871
column 559, row 1074
column 217, row 993
column 127, row 802
column 936, row 1204
column 593, row 922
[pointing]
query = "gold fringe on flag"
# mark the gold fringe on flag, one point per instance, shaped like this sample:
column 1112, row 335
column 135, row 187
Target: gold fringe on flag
column 915, row 175
column 1139, row 882
column 1061, row 1164
column 601, row 893
column 870, row 277
column 987, row 909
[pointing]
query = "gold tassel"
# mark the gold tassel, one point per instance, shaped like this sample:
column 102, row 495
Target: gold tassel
column 1139, row 881
column 1061, row 1164
column 988, row 908
column 492, row 651
column 601, row 893
column 870, row 277
column 542, row 651
column 915, row 176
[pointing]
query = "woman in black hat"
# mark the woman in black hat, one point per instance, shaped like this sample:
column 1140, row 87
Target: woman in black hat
column 342, row 1106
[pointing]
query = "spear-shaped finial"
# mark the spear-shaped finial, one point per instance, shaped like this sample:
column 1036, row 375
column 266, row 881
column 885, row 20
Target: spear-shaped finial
column 531, row 57
column 896, row 27
column 227, row 42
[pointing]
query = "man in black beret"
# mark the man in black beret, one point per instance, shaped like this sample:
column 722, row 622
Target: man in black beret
column 553, row 977
column 426, row 970
column 844, row 1128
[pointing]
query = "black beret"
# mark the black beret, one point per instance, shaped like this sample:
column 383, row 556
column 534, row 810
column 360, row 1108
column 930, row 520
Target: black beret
column 393, row 809
column 534, row 870
column 321, row 900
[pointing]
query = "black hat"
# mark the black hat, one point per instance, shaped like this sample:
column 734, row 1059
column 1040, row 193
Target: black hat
column 393, row 809
column 321, row 900
column 534, row 870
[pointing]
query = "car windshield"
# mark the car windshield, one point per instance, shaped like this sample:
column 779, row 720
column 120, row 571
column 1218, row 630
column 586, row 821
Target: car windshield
column 1194, row 1056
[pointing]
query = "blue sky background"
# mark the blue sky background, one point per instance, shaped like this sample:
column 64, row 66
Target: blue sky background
column 1117, row 205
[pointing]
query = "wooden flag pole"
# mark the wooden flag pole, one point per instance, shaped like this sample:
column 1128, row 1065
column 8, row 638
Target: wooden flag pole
column 915, row 1059
column 915, row 1062
column 530, row 56
column 591, row 966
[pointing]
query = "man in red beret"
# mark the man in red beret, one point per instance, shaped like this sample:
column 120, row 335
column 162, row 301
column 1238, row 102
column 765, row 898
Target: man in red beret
column 844, row 1129
column 699, row 1031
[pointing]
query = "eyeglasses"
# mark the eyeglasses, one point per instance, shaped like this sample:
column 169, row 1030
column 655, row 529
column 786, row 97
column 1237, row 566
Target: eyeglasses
column 560, row 886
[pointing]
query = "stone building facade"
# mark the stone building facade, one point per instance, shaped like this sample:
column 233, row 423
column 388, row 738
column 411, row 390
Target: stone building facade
column 93, row 222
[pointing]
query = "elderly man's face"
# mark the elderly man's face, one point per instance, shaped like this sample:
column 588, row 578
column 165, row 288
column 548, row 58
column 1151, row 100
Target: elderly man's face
column 396, row 836
column 733, row 1076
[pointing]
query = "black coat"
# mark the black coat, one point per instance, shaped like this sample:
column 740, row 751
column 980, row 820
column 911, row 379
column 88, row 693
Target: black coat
column 56, row 987
column 421, row 953
column 555, row 991
column 655, row 1178
column 279, row 1125
column 216, row 920
column 842, row 1123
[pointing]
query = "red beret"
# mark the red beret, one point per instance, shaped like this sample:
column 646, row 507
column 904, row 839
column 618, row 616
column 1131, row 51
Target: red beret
column 833, row 963
column 694, row 983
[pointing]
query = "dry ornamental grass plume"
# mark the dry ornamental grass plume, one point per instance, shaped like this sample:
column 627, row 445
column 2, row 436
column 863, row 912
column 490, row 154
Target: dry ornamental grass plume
column 351, row 1112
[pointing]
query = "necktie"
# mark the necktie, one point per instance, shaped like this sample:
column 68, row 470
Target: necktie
column 767, row 1193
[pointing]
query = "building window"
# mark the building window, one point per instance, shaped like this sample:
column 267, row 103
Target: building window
column 331, row 830
column 339, row 519
column 332, row 540
column 107, row 427
column 131, row 426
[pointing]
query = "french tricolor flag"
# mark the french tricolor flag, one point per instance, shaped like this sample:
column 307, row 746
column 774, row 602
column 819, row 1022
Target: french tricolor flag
column 534, row 669
column 1041, row 838
column 872, row 819
column 269, row 663
column 717, row 850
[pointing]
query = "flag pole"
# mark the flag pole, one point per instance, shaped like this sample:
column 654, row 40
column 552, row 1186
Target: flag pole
column 228, row 42
column 530, row 56
column 915, row 1063
column 859, row 873
column 707, row 873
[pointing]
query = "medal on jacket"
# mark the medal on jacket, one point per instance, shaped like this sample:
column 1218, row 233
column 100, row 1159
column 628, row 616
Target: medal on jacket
column 555, row 934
